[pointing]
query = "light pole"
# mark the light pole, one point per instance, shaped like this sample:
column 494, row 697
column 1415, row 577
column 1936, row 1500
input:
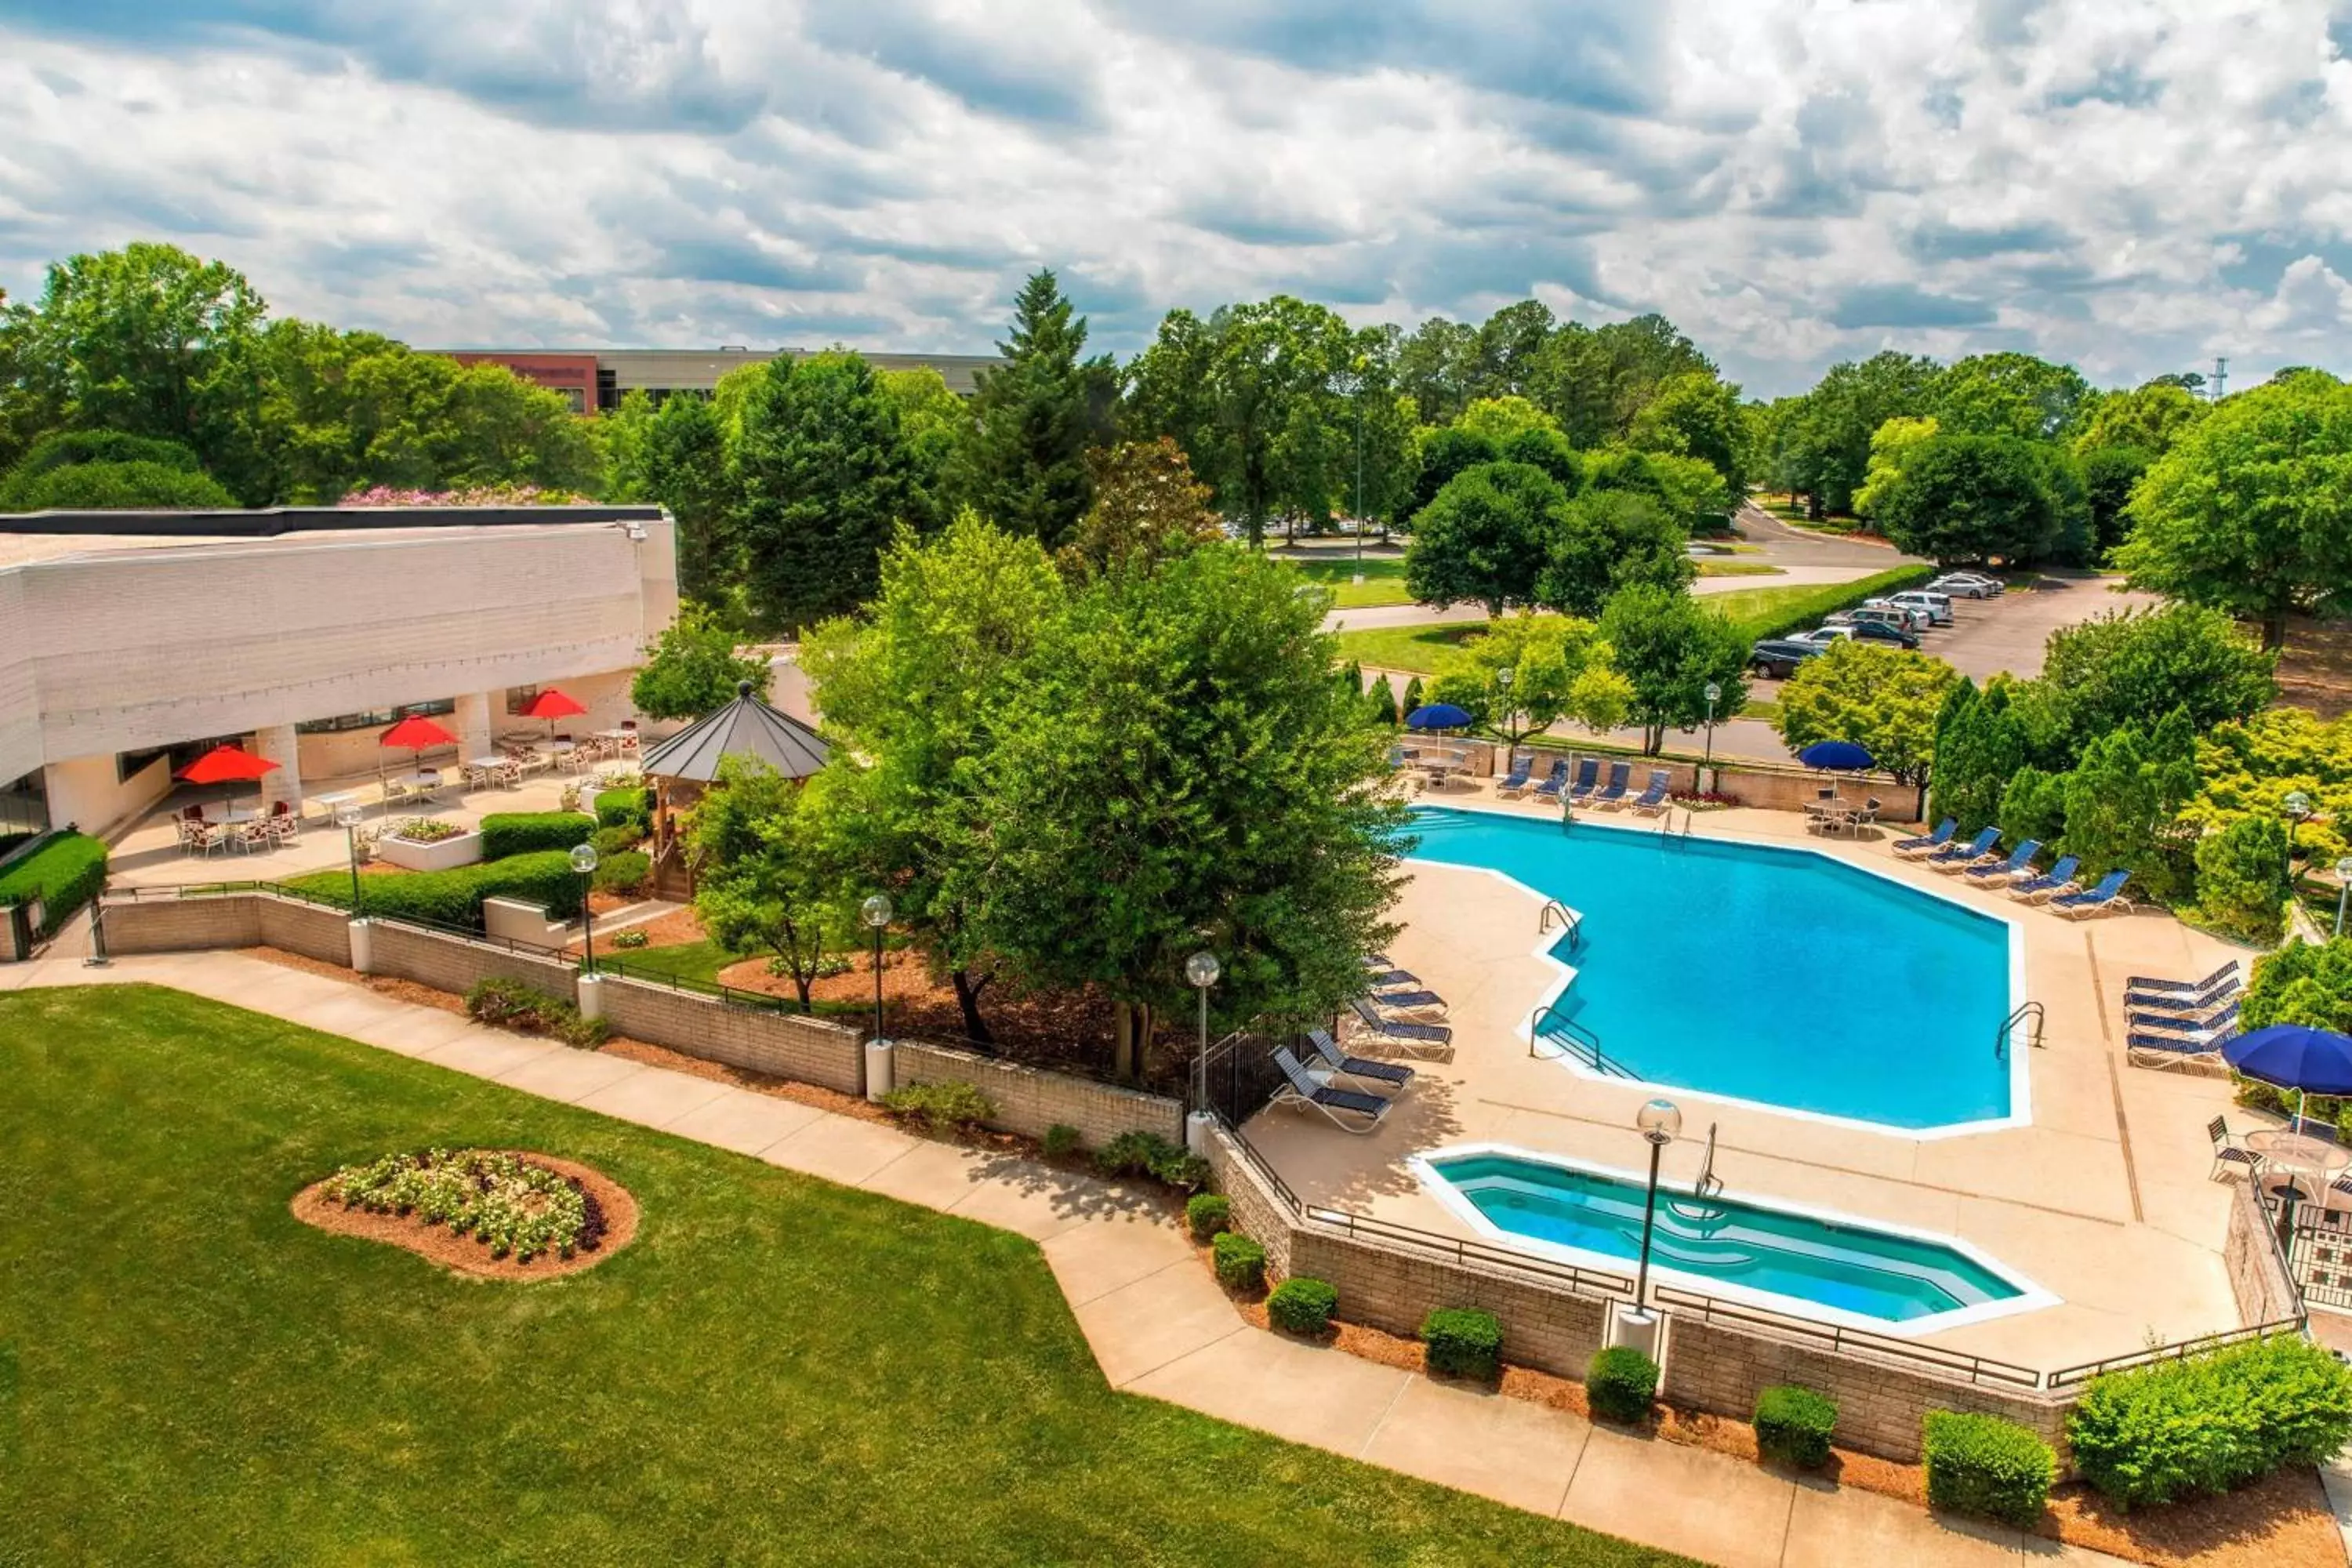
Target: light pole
column 583, row 861
column 1503, row 687
column 1202, row 969
column 1714, row 696
column 2343, row 886
column 2298, row 806
column 347, row 817
column 876, row 913
column 1660, row 1120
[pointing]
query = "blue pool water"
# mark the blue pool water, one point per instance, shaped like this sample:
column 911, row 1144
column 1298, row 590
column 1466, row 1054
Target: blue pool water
column 1854, row 1269
column 1775, row 975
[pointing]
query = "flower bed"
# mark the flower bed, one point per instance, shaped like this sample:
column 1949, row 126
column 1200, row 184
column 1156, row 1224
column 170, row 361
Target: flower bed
column 482, row 1210
column 426, row 844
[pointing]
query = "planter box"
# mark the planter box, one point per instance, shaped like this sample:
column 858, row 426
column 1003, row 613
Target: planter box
column 441, row 855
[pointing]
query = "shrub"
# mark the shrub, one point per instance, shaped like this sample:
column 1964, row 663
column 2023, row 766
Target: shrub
column 1793, row 1426
column 1150, row 1154
column 1206, row 1214
column 1061, row 1139
column 506, row 833
column 1984, row 1465
column 1463, row 1342
column 511, row 1004
column 629, row 806
column 613, row 840
column 1302, row 1306
column 1240, row 1262
column 630, row 939
column 2212, row 1422
column 627, row 872
column 1784, row 615
column 120, row 486
column 452, row 897
column 942, row 1107
column 2241, row 885
column 509, row 1204
column 1621, row 1384
column 64, row 874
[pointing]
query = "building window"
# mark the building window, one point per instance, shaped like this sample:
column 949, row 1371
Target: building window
column 381, row 719
column 520, row 698
column 24, row 806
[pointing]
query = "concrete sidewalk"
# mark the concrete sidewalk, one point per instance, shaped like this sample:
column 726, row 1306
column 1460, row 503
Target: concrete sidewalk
column 1158, row 1323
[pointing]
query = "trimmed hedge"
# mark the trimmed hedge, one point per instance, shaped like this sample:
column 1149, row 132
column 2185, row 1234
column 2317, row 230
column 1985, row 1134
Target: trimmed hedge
column 506, row 833
column 64, row 874
column 511, row 1004
column 1984, row 1465
column 1829, row 599
column 1206, row 1214
column 1302, row 1306
column 2212, row 1422
column 629, row 806
column 948, row 1107
column 1793, row 1426
column 452, row 897
column 1241, row 1262
column 1621, row 1384
column 1463, row 1341
column 624, row 873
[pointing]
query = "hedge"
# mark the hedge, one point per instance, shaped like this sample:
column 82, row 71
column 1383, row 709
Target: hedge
column 64, row 874
column 2212, row 1422
column 631, row 805
column 1206, row 1214
column 452, row 897
column 1806, row 609
column 1621, row 1384
column 1463, row 1342
column 1240, row 1262
column 506, row 833
column 626, row 873
column 1793, row 1426
column 1984, row 1465
column 1302, row 1306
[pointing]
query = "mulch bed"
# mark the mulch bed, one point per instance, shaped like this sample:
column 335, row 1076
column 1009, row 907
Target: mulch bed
column 465, row 1254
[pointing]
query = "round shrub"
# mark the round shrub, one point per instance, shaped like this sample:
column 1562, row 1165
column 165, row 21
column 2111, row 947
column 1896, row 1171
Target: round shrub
column 941, row 1107
column 1206, row 1214
column 121, row 487
column 1240, row 1262
column 1621, row 1384
column 1983, row 1464
column 1061, row 1139
column 2212, row 1422
column 1463, row 1341
column 628, row 805
column 624, row 873
column 611, row 840
column 1793, row 1426
column 1302, row 1306
column 630, row 939
column 506, row 833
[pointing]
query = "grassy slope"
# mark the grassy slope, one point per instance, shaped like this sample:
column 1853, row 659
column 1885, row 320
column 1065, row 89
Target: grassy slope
column 778, row 1370
column 1763, row 611
column 1405, row 647
column 1383, row 580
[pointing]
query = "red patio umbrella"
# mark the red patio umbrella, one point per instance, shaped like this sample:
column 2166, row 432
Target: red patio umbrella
column 552, row 705
column 227, row 764
column 412, row 735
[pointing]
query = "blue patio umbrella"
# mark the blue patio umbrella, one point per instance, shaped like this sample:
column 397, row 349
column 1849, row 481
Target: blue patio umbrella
column 1836, row 756
column 2295, row 1056
column 1438, row 716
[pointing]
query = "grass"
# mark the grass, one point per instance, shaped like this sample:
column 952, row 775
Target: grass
column 1768, row 612
column 1736, row 569
column 1383, row 580
column 778, row 1371
column 1412, row 649
column 699, row 963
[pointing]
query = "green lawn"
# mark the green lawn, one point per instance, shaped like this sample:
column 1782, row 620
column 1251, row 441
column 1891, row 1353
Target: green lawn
column 1719, row 568
column 777, row 1370
column 1766, row 612
column 699, row 963
column 1383, row 580
column 1412, row 648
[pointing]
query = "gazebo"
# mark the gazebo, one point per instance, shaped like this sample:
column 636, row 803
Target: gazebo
column 682, row 767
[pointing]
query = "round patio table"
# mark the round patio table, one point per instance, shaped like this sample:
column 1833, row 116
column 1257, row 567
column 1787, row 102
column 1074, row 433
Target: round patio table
column 2296, row 1151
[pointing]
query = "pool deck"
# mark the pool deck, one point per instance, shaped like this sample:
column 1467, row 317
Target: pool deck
column 2104, row 1199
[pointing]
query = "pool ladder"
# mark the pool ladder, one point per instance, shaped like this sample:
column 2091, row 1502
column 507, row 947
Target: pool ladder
column 1571, row 1038
column 1568, row 918
column 2030, row 1016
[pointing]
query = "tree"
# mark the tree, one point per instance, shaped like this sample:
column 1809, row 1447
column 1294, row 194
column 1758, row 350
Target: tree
column 2250, row 511
column 1548, row 450
column 120, row 486
column 1508, row 347
column 692, row 668
column 937, row 426
column 2241, row 881
column 2033, row 806
column 1979, row 746
column 1668, row 649
column 765, row 878
column 1177, row 769
column 1891, row 447
column 1596, row 380
column 1559, row 669
column 2123, row 801
column 1486, row 538
column 682, row 464
column 1972, row 498
column 1147, row 505
column 826, row 477
column 1695, row 415
column 1885, row 700
column 1443, row 454
column 1605, row 540
column 1497, row 420
column 1822, row 440
column 2119, row 668
column 1023, row 459
column 1692, row 492
column 1436, row 367
column 2009, row 395
column 1380, row 699
column 2147, row 419
column 2109, row 474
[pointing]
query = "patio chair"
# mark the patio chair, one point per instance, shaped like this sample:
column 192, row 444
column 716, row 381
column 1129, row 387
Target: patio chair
column 2107, row 898
column 2018, row 864
column 1652, row 798
column 2058, row 878
column 2204, row 1045
column 2182, row 1005
column 2230, row 1151
column 1301, row 1088
column 1588, row 779
column 2146, row 984
column 1927, row 843
column 2164, row 1023
column 1513, row 785
column 1955, row 856
column 1414, row 1039
column 1613, row 794
column 282, row 823
column 1366, row 1070
column 1423, row 1006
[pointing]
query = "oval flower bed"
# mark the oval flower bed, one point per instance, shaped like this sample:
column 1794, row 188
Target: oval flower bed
column 482, row 1211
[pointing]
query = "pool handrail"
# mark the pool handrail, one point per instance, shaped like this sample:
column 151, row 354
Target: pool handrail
column 1596, row 1058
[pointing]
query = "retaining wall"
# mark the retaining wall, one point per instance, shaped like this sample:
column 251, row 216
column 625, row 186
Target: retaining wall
column 1030, row 1099
column 454, row 965
column 182, row 925
column 2257, row 1277
column 781, row 1045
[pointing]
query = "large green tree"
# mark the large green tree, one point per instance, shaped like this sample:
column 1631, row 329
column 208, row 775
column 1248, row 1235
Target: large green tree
column 1885, row 700
column 1487, row 538
column 2009, row 394
column 1023, row 462
column 937, row 426
column 2121, row 668
column 767, row 875
column 1973, row 497
column 1669, row 648
column 1979, row 746
column 1147, row 506
column 2147, row 419
column 692, row 668
column 1818, row 444
column 1695, row 414
column 682, row 464
column 1524, row 675
column 1604, row 539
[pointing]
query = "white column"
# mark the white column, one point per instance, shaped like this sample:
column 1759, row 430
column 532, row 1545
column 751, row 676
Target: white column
column 474, row 718
column 280, row 746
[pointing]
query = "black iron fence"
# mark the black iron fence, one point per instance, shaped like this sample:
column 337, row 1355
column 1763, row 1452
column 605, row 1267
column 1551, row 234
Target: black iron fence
column 1837, row 1339
column 2071, row 1377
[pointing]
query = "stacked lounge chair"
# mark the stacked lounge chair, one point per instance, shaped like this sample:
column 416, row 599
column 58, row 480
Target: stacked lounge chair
column 2182, row 996
column 2058, row 878
column 1926, row 843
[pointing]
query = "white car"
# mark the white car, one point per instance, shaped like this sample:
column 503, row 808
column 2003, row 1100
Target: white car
column 1937, row 606
column 1912, row 618
column 1824, row 636
column 1968, row 586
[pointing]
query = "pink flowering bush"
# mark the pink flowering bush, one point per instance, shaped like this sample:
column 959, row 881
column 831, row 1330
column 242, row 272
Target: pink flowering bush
column 473, row 495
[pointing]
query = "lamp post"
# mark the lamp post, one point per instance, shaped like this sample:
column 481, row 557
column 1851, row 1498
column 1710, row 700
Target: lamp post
column 584, row 862
column 1503, row 688
column 347, row 817
column 876, row 913
column 1202, row 969
column 2343, row 886
column 2298, row 806
column 1714, row 696
column 1660, row 1120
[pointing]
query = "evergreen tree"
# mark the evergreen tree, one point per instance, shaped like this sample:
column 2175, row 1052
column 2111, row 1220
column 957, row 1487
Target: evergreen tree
column 1023, row 465
column 1979, row 746
column 681, row 460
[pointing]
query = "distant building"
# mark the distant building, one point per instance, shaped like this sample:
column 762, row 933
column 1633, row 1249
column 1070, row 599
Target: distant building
column 599, row 378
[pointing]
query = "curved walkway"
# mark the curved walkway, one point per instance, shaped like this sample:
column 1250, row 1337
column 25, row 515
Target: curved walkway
column 1158, row 1323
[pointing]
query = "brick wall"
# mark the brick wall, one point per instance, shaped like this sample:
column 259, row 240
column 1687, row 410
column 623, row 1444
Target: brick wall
column 184, row 925
column 8, row 953
column 1028, row 1100
column 452, row 964
column 1392, row 1289
column 1257, row 1212
column 1776, row 789
column 2257, row 1279
column 313, row 931
column 810, row 1050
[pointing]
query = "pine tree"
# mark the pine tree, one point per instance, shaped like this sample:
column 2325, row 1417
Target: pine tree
column 1022, row 464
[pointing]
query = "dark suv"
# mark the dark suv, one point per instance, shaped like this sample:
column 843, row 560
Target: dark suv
column 1779, row 657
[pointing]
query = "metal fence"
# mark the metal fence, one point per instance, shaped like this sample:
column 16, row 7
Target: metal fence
column 2069, row 1377
column 1838, row 1340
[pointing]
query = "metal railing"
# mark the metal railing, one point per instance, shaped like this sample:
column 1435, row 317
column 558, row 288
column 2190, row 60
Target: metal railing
column 2068, row 1377
column 1840, row 1340
column 2033, row 1012
column 1569, row 918
column 734, row 996
column 1546, row 1023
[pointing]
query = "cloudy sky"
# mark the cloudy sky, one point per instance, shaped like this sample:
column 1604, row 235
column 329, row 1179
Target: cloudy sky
column 2135, row 185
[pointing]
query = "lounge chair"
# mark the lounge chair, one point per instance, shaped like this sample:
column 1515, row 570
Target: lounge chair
column 1926, row 843
column 1652, row 799
column 1416, row 1039
column 1554, row 781
column 2177, row 1051
column 2182, row 1004
column 1406, row 1000
column 2149, row 984
column 1376, row 979
column 1588, row 779
column 1953, row 856
column 1302, row 1088
column 2018, row 864
column 1613, row 796
column 1366, row 1069
column 1513, row 785
column 2058, row 878
column 2161, row 1024
column 2104, row 899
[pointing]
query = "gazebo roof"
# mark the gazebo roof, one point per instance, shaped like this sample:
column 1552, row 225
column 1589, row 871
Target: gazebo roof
column 746, row 727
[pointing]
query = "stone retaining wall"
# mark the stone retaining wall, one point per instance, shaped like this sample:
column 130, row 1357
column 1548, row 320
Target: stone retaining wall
column 1030, row 1099
column 314, row 931
column 184, row 925
column 781, row 1045
column 2257, row 1279
column 453, row 964
column 1394, row 1288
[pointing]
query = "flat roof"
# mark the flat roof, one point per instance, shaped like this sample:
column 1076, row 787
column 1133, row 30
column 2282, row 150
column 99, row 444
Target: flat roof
column 27, row 537
column 672, row 367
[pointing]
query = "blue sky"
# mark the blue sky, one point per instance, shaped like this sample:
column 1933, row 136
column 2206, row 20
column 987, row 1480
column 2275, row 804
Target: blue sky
column 2135, row 185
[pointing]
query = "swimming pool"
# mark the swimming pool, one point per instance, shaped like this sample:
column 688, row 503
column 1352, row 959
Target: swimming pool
column 1817, row 1264
column 1754, row 973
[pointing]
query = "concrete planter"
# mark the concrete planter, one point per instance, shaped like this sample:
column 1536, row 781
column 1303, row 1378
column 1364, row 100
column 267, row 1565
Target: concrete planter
column 441, row 855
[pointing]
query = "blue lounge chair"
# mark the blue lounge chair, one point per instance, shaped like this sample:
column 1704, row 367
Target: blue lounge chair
column 1366, row 1070
column 2176, row 1050
column 2165, row 1024
column 2017, row 865
column 1406, row 1000
column 1613, row 796
column 1652, row 799
column 1953, row 856
column 2141, row 985
column 2225, row 989
column 1374, row 979
column 1302, row 1088
column 1416, row 1038
column 1554, row 782
column 1588, row 779
column 2106, row 897
column 2058, row 878
column 1514, row 783
column 1926, row 843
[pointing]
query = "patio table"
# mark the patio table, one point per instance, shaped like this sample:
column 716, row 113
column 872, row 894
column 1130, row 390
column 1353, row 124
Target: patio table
column 2298, row 1151
column 335, row 800
column 233, row 816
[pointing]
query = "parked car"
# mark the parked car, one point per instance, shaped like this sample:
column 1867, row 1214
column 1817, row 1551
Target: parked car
column 1968, row 585
column 1914, row 616
column 1937, row 606
column 1824, row 635
column 1869, row 628
column 1779, row 657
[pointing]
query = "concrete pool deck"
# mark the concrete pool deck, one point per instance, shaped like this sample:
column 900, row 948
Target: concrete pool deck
column 2103, row 1199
